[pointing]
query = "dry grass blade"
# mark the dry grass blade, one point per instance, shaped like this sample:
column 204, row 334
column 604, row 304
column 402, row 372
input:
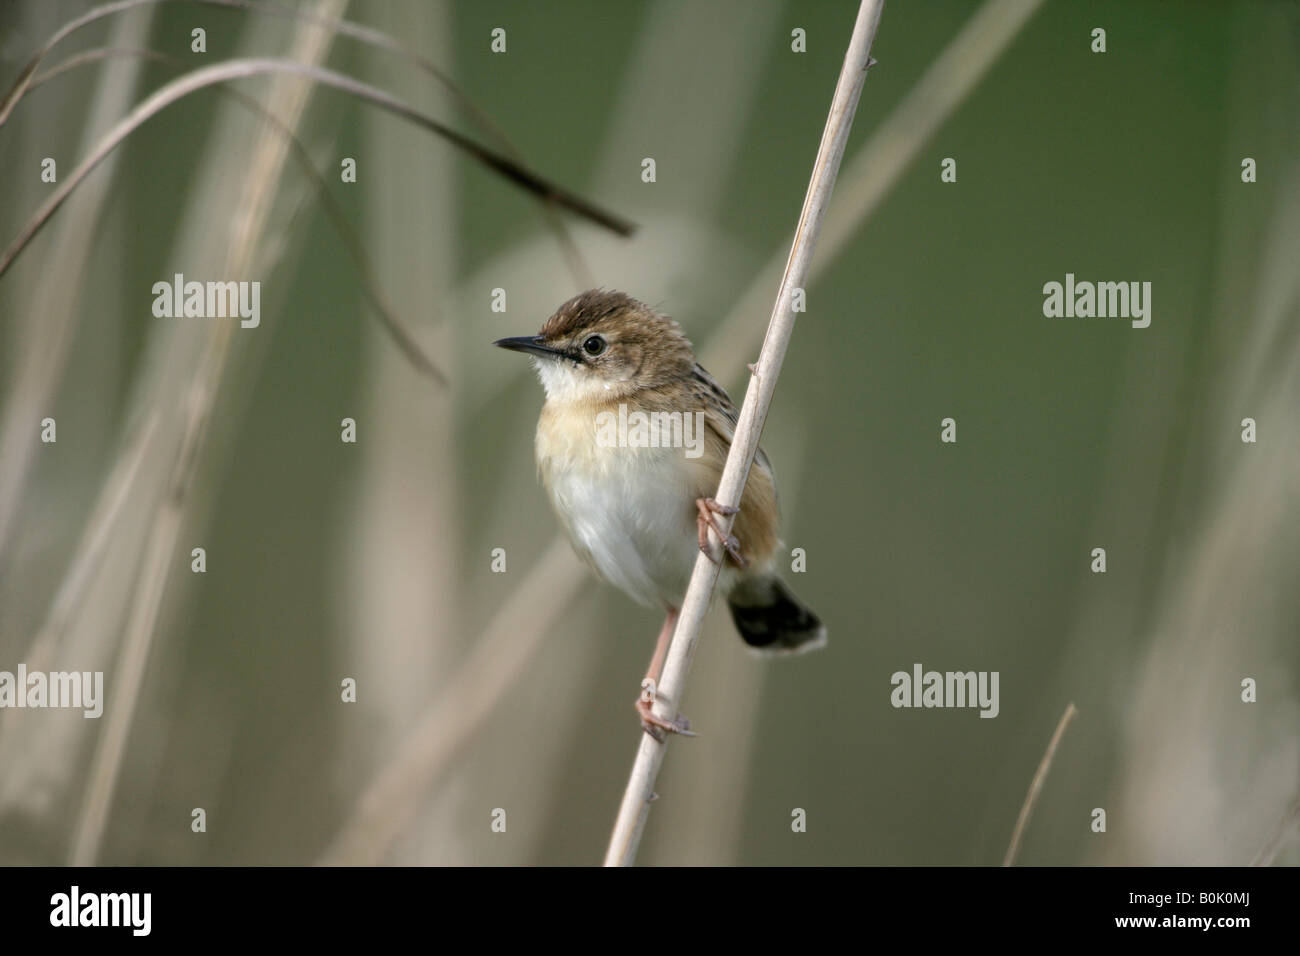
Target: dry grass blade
column 24, row 80
column 52, row 312
column 1036, row 785
column 363, row 34
column 238, row 69
column 94, row 56
column 356, row 249
column 346, row 28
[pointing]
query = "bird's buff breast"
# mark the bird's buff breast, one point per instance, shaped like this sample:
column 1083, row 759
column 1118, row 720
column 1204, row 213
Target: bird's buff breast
column 629, row 512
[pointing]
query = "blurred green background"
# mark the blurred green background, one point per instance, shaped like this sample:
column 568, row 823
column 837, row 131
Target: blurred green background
column 328, row 560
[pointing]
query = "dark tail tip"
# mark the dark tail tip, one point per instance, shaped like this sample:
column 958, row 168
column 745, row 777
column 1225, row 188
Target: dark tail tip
column 772, row 620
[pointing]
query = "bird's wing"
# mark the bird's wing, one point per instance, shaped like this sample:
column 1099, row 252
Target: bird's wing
column 721, row 413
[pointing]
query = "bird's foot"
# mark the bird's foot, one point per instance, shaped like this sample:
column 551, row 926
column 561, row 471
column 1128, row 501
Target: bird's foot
column 708, row 509
column 654, row 725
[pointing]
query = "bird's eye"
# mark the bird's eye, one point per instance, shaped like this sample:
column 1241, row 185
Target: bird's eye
column 594, row 345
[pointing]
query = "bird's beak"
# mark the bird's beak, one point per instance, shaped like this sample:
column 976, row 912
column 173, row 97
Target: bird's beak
column 532, row 344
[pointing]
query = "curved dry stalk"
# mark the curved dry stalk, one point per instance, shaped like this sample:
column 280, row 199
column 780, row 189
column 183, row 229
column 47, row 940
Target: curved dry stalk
column 94, row 540
column 94, row 56
column 52, row 310
column 257, row 66
column 753, row 412
column 342, row 27
column 1036, row 785
column 368, row 35
column 370, row 287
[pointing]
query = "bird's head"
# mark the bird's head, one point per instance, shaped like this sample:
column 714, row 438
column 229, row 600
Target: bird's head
column 602, row 345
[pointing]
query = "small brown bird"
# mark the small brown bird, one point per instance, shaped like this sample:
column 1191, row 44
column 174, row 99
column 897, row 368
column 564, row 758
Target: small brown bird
column 630, row 446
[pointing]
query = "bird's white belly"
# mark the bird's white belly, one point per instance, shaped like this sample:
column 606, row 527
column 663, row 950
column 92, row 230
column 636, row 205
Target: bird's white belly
column 631, row 515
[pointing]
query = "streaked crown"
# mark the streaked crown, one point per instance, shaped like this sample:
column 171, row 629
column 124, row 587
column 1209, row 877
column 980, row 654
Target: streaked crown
column 602, row 344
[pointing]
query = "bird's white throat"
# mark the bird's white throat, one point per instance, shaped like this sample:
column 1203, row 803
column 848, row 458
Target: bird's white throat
column 566, row 382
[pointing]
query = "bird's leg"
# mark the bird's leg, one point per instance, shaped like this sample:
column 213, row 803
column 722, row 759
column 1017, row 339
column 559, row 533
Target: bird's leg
column 708, row 508
column 654, row 725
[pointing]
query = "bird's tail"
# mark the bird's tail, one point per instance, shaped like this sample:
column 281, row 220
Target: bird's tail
column 771, row 619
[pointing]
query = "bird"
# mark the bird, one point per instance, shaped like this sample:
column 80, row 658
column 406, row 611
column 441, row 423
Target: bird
column 630, row 447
